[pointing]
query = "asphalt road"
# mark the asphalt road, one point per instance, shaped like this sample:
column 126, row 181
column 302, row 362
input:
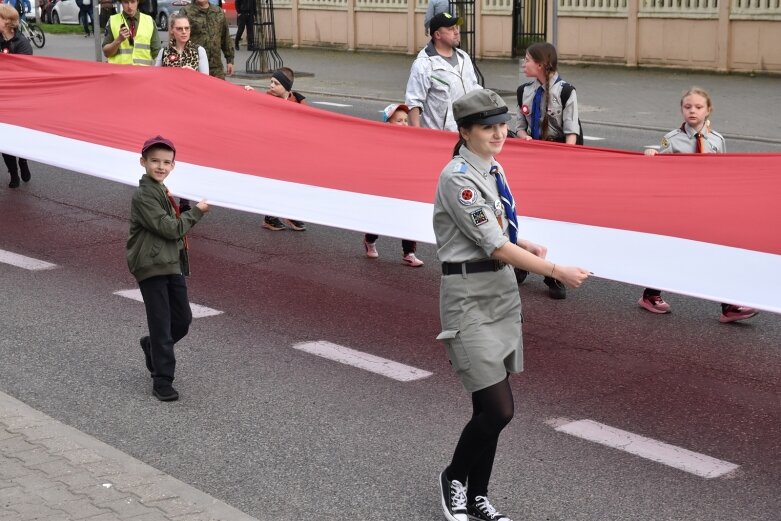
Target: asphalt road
column 282, row 434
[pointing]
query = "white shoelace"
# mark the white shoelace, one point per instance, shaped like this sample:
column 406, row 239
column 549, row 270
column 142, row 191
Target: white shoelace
column 458, row 495
column 482, row 503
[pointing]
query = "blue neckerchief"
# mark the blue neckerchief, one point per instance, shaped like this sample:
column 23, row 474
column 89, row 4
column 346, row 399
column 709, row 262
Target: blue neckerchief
column 508, row 202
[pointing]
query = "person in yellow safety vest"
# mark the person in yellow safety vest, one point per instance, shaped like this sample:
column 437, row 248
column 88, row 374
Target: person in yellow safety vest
column 131, row 37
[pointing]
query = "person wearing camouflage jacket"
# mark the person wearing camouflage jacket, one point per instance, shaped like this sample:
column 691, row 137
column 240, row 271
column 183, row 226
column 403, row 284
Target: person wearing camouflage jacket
column 210, row 31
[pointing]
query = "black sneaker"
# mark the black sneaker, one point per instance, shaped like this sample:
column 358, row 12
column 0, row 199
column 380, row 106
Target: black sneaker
column 145, row 347
column 14, row 181
column 165, row 393
column 520, row 275
column 556, row 289
column 273, row 224
column 453, row 498
column 297, row 226
column 482, row 510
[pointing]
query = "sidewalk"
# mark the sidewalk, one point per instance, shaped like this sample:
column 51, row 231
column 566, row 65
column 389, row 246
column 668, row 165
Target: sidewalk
column 744, row 106
column 52, row 472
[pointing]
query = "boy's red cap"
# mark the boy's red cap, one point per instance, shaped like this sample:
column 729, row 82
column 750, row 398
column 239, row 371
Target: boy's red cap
column 390, row 109
column 158, row 140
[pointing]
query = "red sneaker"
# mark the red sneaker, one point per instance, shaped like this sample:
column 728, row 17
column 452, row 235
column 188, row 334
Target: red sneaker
column 654, row 304
column 734, row 313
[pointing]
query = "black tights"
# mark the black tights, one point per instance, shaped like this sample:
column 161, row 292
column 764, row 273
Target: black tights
column 473, row 458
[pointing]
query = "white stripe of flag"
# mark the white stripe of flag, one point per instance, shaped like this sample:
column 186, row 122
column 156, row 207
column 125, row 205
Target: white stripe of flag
column 197, row 310
column 374, row 364
column 670, row 455
column 28, row 263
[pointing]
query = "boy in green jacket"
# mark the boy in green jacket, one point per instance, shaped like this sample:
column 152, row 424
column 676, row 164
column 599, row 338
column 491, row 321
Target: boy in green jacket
column 157, row 258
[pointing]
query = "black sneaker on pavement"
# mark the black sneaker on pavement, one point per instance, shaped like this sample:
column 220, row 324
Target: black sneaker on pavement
column 165, row 393
column 25, row 171
column 145, row 347
column 482, row 510
column 556, row 290
column 273, row 224
column 453, row 498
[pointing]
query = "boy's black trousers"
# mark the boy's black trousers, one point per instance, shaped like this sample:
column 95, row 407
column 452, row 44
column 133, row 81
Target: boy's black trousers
column 168, row 316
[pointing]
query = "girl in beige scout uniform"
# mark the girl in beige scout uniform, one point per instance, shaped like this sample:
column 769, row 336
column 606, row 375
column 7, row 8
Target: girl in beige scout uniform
column 476, row 231
column 693, row 137
column 543, row 116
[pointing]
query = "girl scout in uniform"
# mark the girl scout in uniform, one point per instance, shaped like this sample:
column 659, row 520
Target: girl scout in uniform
column 543, row 116
column 693, row 137
column 476, row 231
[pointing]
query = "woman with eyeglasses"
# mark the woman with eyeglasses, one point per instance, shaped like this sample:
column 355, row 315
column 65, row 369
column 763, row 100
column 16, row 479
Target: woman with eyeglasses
column 180, row 51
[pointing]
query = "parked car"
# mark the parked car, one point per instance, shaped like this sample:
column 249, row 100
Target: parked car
column 165, row 8
column 65, row 12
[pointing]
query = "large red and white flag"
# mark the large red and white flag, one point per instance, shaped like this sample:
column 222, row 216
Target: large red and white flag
column 702, row 225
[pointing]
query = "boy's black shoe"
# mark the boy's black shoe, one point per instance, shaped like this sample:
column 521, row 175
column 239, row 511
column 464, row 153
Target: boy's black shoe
column 453, row 498
column 165, row 393
column 14, row 181
column 145, row 347
column 520, row 275
column 556, row 289
column 482, row 510
column 25, row 171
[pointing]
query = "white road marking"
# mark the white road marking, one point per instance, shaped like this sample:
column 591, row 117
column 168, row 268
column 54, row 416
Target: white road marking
column 28, row 263
column 375, row 364
column 198, row 311
column 593, row 138
column 670, row 455
column 330, row 104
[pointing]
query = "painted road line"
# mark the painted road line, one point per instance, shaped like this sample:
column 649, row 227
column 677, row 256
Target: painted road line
column 593, row 138
column 28, row 263
column 329, row 104
column 670, row 455
column 375, row 364
column 198, row 311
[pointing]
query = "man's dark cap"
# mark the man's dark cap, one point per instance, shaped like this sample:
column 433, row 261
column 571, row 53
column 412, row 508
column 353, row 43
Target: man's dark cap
column 442, row 20
column 481, row 106
column 158, row 140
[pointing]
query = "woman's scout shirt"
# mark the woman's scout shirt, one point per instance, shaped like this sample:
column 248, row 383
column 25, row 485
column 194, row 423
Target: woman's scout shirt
column 480, row 312
column 561, row 120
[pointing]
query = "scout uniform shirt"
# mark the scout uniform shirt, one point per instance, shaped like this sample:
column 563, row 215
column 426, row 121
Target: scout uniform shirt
column 683, row 140
column 469, row 220
column 480, row 312
column 561, row 120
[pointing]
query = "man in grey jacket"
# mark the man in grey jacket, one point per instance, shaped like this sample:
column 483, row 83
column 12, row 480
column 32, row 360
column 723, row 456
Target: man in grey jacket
column 440, row 75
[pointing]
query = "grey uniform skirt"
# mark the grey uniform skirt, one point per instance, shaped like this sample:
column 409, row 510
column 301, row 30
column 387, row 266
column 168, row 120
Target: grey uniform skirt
column 481, row 326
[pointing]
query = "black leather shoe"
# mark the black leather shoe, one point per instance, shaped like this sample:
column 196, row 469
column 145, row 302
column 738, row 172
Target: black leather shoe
column 165, row 394
column 556, row 290
column 145, row 347
column 25, row 172
column 237, row 46
column 14, row 181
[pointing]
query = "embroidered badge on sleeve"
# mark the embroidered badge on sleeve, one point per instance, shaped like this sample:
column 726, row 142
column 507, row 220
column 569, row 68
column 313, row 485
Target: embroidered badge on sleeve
column 478, row 217
column 467, row 196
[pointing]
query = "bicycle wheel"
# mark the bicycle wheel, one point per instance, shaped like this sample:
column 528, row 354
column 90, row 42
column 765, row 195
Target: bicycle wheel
column 37, row 36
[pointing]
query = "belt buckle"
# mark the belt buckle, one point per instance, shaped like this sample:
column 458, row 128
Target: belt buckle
column 499, row 265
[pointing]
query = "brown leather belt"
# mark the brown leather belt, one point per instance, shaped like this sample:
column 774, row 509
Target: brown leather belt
column 459, row 268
